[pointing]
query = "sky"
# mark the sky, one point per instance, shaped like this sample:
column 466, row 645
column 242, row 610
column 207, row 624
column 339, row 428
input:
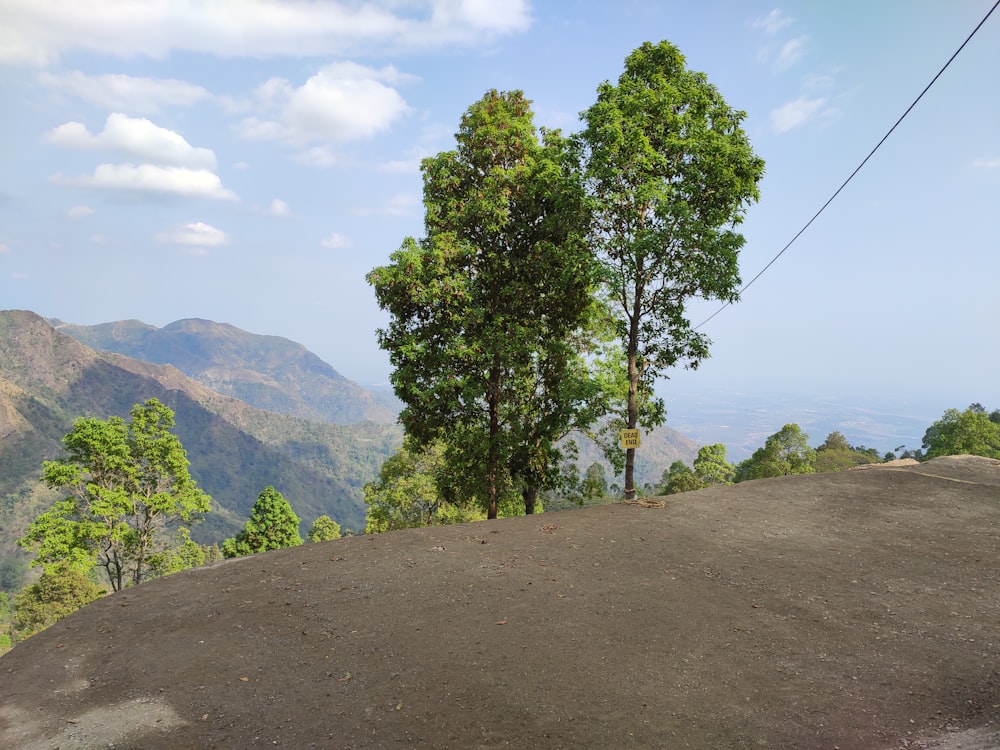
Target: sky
column 249, row 161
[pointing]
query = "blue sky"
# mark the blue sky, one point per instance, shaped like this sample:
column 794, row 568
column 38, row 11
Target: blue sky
column 250, row 161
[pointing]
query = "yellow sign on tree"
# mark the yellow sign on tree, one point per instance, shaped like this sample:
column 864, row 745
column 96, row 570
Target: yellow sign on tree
column 630, row 439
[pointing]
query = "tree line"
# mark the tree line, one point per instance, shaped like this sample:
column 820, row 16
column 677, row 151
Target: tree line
column 408, row 492
column 973, row 431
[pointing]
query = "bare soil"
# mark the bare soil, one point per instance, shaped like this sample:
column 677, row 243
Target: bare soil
column 851, row 610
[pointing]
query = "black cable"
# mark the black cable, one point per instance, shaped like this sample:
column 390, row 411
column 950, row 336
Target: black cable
column 858, row 168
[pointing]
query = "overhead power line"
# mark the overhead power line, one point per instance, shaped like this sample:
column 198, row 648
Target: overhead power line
column 858, row 168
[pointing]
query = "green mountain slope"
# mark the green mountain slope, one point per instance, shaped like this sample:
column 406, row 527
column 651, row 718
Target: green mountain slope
column 267, row 372
column 48, row 379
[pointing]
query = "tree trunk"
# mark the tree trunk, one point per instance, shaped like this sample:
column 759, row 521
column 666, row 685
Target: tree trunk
column 530, row 494
column 493, row 399
column 633, row 396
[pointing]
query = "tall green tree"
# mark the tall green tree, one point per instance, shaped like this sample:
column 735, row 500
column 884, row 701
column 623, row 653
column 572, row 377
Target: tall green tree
column 272, row 525
column 711, row 466
column 971, row 431
column 484, row 307
column 785, row 452
column 671, row 174
column 126, row 482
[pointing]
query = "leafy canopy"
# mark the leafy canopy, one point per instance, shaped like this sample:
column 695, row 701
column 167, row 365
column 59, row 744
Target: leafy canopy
column 272, row 525
column 710, row 468
column 125, row 482
column 323, row 529
column 972, row 431
column 60, row 591
column 412, row 490
column 785, row 452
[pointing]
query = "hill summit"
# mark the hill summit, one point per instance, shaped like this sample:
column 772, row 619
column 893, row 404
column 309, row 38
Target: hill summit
column 856, row 610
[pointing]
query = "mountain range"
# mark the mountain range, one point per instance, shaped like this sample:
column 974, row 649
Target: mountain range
column 251, row 411
column 266, row 372
column 48, row 379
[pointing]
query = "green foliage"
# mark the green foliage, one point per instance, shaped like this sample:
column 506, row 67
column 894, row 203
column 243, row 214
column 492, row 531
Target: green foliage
column 595, row 482
column 413, row 490
column 13, row 571
column 711, row 466
column 972, row 431
column 6, row 622
column 323, row 529
column 60, row 591
column 836, row 454
column 679, row 478
column 126, row 481
column 670, row 173
column 785, row 452
column 183, row 555
column 485, row 308
column 272, row 525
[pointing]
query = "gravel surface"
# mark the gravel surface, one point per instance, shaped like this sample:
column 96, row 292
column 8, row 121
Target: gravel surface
column 851, row 610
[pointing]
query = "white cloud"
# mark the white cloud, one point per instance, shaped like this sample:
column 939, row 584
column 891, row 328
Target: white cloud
column 796, row 113
column 80, row 212
column 198, row 234
column 773, row 22
column 414, row 156
column 400, row 166
column 791, row 52
column 344, row 101
column 37, row 32
column 819, row 81
column 4, row 248
column 986, row 163
column 136, row 139
column 401, row 204
column 336, row 241
column 317, row 156
column 278, row 208
column 148, row 178
column 123, row 92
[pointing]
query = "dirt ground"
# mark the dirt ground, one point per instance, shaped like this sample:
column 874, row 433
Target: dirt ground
column 851, row 610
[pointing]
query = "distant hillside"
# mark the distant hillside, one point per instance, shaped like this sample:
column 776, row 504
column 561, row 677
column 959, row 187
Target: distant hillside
column 267, row 372
column 274, row 373
column 659, row 449
column 48, row 379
